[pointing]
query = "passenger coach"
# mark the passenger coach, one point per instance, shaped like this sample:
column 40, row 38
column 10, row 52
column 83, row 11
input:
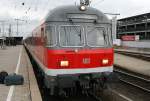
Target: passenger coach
column 72, row 45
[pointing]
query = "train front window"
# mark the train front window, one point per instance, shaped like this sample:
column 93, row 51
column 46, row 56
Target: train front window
column 96, row 36
column 71, row 35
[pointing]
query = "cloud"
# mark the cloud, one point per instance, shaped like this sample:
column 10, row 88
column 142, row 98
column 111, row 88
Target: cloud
column 37, row 9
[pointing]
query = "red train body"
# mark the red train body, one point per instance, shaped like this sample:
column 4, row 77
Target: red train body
column 61, row 59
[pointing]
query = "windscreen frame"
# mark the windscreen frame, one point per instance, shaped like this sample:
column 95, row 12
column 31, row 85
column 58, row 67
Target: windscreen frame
column 106, row 44
column 82, row 34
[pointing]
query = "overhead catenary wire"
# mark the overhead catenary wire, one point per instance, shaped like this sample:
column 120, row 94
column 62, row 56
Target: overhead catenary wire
column 20, row 7
column 96, row 3
column 30, row 9
column 36, row 5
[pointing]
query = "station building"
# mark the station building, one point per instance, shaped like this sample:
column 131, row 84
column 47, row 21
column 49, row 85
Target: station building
column 15, row 40
column 134, row 31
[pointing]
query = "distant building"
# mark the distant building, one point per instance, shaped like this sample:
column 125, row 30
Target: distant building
column 138, row 25
column 134, row 31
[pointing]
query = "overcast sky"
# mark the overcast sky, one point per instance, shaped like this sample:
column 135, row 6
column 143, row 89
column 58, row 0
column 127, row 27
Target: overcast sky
column 35, row 10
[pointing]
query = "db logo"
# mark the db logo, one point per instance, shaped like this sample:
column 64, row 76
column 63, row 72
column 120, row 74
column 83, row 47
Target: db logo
column 86, row 60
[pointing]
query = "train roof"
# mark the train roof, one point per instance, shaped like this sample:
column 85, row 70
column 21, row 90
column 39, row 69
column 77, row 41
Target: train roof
column 62, row 13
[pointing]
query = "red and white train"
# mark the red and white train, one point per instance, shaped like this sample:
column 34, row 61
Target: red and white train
column 73, row 44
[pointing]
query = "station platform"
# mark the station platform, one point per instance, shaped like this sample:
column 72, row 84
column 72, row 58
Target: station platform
column 15, row 60
column 132, row 64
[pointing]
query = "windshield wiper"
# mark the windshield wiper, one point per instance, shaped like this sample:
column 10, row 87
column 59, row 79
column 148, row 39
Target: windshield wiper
column 104, row 34
column 78, row 32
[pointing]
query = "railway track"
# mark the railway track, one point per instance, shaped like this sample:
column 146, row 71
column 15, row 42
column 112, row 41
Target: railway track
column 141, row 55
column 135, row 80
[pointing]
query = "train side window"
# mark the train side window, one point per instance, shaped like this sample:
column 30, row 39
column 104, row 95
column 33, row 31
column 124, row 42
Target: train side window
column 50, row 36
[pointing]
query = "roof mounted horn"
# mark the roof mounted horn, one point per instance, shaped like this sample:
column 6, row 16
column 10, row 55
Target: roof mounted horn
column 84, row 4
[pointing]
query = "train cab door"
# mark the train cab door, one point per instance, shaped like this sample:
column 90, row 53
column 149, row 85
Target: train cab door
column 42, row 44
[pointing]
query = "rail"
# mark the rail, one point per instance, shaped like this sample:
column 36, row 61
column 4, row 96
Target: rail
column 135, row 80
column 141, row 55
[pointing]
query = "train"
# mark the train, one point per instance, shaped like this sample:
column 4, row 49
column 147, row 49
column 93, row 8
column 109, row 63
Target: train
column 72, row 47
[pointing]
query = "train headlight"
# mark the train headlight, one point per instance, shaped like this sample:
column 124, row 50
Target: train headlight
column 105, row 61
column 82, row 7
column 64, row 63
